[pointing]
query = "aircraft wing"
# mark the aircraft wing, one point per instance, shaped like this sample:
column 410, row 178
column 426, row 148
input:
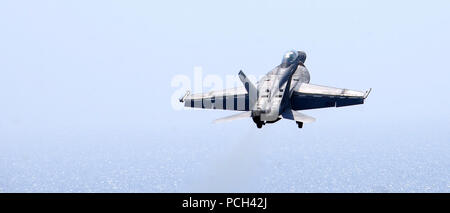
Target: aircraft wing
column 310, row 96
column 236, row 99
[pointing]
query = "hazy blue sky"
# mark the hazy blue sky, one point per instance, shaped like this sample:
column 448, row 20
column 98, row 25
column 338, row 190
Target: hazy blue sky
column 85, row 96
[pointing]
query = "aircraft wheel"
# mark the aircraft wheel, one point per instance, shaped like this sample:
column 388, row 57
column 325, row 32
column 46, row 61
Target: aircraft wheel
column 300, row 124
column 259, row 125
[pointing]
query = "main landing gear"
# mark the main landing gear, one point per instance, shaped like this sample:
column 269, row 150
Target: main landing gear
column 300, row 124
column 258, row 122
column 259, row 125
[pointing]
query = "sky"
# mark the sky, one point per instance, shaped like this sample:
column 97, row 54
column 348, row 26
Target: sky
column 86, row 96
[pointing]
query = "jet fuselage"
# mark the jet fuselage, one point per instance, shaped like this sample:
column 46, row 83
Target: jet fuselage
column 275, row 88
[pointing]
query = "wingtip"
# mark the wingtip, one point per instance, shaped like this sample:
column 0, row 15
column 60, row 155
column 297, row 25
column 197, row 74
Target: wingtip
column 367, row 93
column 184, row 96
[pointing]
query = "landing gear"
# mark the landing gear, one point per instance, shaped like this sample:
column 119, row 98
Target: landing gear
column 258, row 122
column 300, row 124
column 259, row 125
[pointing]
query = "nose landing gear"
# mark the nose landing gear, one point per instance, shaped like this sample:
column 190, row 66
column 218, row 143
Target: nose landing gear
column 300, row 124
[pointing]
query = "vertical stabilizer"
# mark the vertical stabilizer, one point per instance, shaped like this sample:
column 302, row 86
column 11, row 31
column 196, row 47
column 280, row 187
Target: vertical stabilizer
column 251, row 89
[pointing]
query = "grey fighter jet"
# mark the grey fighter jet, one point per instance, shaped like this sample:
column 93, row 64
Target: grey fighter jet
column 280, row 94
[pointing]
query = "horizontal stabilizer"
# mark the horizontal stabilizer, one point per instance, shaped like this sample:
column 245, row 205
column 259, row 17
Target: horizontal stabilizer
column 234, row 117
column 297, row 116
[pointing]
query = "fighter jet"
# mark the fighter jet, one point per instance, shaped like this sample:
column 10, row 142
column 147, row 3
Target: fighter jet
column 281, row 93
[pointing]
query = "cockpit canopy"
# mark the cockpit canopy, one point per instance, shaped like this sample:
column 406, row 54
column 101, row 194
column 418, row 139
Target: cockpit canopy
column 292, row 56
column 289, row 58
